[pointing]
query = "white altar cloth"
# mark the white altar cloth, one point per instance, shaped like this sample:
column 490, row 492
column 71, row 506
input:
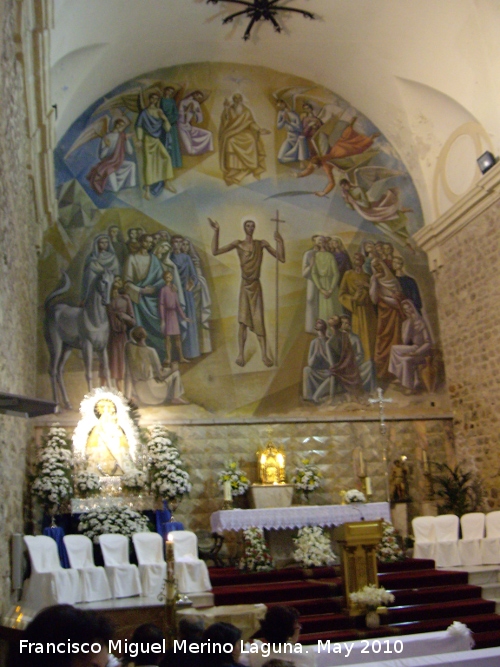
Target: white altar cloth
column 297, row 516
column 411, row 646
column 483, row 657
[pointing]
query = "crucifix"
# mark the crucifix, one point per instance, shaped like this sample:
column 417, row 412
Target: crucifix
column 277, row 221
column 383, row 432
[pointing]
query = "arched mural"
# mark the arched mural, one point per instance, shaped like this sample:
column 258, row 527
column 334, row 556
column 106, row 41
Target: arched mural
column 235, row 242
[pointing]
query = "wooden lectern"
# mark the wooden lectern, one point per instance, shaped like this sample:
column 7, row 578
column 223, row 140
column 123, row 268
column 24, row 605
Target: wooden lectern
column 358, row 542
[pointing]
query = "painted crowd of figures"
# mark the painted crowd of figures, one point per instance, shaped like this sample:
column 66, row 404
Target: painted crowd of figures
column 311, row 136
column 367, row 315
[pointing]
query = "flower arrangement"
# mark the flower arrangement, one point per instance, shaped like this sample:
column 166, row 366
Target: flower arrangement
column 134, row 481
column 87, row 484
column 312, row 547
column 168, row 478
column 116, row 519
column 371, row 597
column 307, row 478
column 52, row 485
column 354, row 496
column 388, row 549
column 256, row 553
column 231, row 473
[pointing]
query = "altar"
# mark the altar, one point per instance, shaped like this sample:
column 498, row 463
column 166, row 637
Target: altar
column 280, row 523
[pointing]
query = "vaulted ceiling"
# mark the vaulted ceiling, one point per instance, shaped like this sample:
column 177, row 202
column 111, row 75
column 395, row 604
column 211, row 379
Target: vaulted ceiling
column 426, row 72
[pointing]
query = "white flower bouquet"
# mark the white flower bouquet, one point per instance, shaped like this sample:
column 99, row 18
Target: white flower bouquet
column 371, row 597
column 307, row 477
column 134, row 481
column 87, row 484
column 256, row 553
column 312, row 547
column 117, row 519
column 52, row 485
column 388, row 549
column 354, row 496
column 168, row 478
column 239, row 481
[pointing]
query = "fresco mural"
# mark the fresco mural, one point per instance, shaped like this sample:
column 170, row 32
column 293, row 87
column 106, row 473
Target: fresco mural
column 235, row 242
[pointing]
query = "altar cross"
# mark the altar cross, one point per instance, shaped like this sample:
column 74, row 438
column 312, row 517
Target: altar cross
column 383, row 432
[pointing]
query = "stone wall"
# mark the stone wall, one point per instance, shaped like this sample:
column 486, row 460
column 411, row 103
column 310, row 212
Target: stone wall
column 18, row 286
column 468, row 292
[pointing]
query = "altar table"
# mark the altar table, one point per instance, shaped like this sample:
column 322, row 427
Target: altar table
column 408, row 646
column 298, row 516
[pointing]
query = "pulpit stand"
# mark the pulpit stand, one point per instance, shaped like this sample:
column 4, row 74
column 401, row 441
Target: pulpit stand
column 358, row 545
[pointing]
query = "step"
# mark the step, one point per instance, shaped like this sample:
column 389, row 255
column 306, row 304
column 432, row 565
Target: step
column 487, row 639
column 435, row 594
column 325, row 622
column 396, row 615
column 279, row 592
column 234, row 577
column 315, row 605
column 476, row 623
column 491, row 591
column 407, row 564
column 485, row 574
column 420, row 578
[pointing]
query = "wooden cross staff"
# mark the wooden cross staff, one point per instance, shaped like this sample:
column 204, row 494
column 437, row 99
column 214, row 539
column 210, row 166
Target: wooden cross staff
column 276, row 334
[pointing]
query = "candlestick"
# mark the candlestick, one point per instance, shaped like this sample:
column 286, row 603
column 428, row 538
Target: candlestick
column 228, row 496
column 425, row 461
column 362, row 470
column 368, row 485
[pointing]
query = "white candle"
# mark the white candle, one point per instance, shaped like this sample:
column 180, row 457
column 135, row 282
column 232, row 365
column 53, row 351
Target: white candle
column 227, row 491
column 368, row 486
column 362, row 471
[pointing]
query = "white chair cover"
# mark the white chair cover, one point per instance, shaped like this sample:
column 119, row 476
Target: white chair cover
column 123, row 577
column 190, row 571
column 469, row 546
column 425, row 537
column 446, row 527
column 152, row 566
column 95, row 585
column 49, row 583
column 490, row 546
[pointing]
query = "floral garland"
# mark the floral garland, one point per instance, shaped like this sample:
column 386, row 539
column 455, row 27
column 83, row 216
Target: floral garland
column 312, row 547
column 116, row 519
column 354, row 496
column 168, row 477
column 53, row 485
column 388, row 549
column 307, row 477
column 87, row 484
column 134, row 481
column 231, row 473
column 256, row 553
column 371, row 597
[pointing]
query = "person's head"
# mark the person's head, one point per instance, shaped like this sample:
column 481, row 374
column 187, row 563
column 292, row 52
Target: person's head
column 249, row 227
column 177, row 243
column 145, row 645
column 104, row 406
column 377, row 267
column 408, row 308
column 146, row 242
column 168, row 91
column 228, row 638
column 191, row 629
column 281, row 624
column 307, row 107
column 168, row 277
column 344, row 185
column 316, row 239
column 237, row 98
column 61, row 624
column 345, row 323
column 334, row 322
column 113, row 233
column 138, row 334
column 154, row 99
column 119, row 125
column 320, row 325
column 379, row 249
column 388, row 249
column 102, row 243
column 132, row 233
column 117, row 284
column 368, row 248
column 186, row 246
column 281, row 104
column 358, row 259
column 398, row 263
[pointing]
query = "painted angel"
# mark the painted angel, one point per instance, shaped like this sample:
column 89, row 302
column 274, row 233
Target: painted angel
column 368, row 193
column 113, row 171
column 294, row 148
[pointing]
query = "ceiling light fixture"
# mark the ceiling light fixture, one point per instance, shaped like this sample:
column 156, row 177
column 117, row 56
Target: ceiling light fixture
column 257, row 10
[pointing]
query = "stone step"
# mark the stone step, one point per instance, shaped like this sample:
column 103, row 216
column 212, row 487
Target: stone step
column 491, row 591
column 484, row 575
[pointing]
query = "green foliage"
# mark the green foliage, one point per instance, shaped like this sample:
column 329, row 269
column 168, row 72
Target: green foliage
column 459, row 491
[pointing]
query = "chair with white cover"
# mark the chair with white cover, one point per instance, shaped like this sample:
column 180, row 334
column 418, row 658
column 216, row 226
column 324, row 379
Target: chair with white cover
column 123, row 576
column 446, row 527
column 490, row 546
column 190, row 571
column 95, row 585
column 49, row 582
column 152, row 567
column 469, row 546
column 425, row 537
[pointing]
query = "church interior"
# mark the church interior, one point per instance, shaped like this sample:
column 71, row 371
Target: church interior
column 249, row 301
